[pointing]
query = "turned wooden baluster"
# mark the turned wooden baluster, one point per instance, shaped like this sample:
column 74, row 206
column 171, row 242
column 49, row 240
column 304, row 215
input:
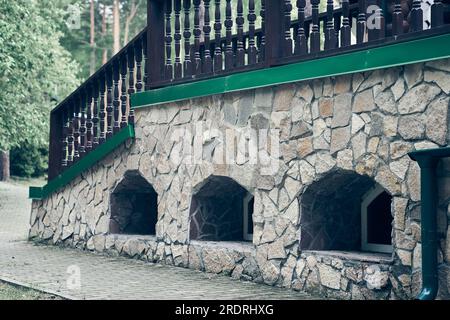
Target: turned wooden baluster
column 82, row 145
column 146, row 66
column 116, row 101
column 437, row 14
column 315, row 31
column 71, row 131
column 301, row 44
column 102, row 111
column 109, row 103
column 229, row 45
column 138, row 54
column 89, row 126
column 65, row 135
column 217, row 29
column 76, row 128
column 287, row 48
column 124, row 95
column 131, row 88
column 252, row 50
column 375, row 23
column 416, row 16
column 361, row 23
column 197, row 33
column 240, row 52
column 187, row 36
column 262, row 47
column 95, row 116
column 168, row 69
column 330, row 34
column 177, row 37
column 345, row 29
column 207, row 60
column 397, row 18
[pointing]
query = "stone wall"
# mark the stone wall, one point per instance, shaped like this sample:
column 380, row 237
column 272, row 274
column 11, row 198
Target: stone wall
column 363, row 123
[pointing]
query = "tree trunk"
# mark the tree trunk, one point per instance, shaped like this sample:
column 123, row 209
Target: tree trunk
column 93, row 62
column 4, row 165
column 105, row 51
column 128, row 21
column 116, row 27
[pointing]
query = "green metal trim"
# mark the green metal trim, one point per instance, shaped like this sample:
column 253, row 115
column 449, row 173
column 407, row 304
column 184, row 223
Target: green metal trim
column 413, row 51
column 85, row 163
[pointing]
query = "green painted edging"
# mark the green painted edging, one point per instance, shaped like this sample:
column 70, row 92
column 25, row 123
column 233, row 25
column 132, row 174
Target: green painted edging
column 85, row 163
column 413, row 51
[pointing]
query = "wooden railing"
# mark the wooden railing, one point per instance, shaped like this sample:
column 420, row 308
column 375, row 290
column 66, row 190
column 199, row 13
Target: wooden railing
column 199, row 39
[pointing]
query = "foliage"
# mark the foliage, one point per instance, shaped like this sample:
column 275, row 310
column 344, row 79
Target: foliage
column 35, row 70
column 29, row 160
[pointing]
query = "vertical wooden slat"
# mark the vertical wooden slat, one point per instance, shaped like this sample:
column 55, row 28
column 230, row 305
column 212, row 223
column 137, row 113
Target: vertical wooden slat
column 262, row 46
column 287, row 43
column 252, row 51
column 416, row 16
column 131, row 88
column 124, row 95
column 138, row 54
column 345, row 29
column 76, row 127
column 187, row 36
column 95, row 115
column 337, row 27
column 240, row 52
column 82, row 146
column 146, row 65
column 228, row 32
column 207, row 60
column 301, row 44
column 89, row 127
column 361, row 23
column 177, row 37
column 102, row 110
column 397, row 18
column 65, row 135
column 274, row 31
column 437, row 14
column 70, row 137
column 109, row 103
column 330, row 34
column 197, row 69
column 55, row 147
column 217, row 29
column 155, row 39
column 315, row 31
column 168, row 41
column 116, row 101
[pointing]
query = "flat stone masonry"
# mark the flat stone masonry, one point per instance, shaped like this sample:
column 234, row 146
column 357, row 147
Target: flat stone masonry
column 363, row 123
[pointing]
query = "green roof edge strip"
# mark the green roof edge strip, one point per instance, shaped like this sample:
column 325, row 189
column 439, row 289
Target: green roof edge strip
column 85, row 163
column 392, row 55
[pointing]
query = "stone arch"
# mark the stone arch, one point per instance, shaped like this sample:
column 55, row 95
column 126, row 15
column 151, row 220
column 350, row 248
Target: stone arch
column 217, row 210
column 331, row 214
column 134, row 206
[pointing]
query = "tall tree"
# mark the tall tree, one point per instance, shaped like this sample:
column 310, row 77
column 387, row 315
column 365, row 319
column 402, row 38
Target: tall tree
column 35, row 72
column 93, row 61
column 116, row 26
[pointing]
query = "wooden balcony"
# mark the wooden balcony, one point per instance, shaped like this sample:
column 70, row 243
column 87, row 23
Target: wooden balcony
column 187, row 41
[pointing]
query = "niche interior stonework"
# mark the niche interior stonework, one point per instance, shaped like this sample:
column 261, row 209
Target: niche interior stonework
column 217, row 211
column 362, row 123
column 134, row 207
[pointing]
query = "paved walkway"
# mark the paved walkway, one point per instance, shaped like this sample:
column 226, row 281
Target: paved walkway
column 48, row 268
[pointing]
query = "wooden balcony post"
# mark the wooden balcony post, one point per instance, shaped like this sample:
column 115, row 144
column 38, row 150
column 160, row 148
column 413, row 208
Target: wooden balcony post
column 55, row 145
column 274, row 36
column 155, row 41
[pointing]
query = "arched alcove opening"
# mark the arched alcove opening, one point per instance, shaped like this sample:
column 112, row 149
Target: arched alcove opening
column 221, row 210
column 346, row 211
column 134, row 206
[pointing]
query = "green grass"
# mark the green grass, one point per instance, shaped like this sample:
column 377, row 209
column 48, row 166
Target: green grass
column 12, row 292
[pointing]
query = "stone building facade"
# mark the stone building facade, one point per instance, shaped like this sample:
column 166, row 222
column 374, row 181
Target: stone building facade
column 328, row 143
